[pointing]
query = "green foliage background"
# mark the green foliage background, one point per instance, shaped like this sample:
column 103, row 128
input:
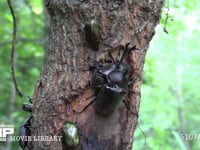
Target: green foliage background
column 169, row 112
column 28, row 58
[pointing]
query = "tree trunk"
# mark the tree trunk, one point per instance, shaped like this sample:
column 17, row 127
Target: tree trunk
column 63, row 89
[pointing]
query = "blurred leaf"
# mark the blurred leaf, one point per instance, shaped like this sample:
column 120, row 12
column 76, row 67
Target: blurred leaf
column 37, row 6
column 179, row 140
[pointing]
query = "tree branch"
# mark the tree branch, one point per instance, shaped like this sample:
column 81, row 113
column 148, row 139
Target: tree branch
column 13, row 49
column 166, row 19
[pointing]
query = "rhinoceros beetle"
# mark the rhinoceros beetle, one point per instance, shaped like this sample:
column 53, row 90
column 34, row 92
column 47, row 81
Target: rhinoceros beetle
column 25, row 132
column 25, row 128
column 111, row 83
column 112, row 73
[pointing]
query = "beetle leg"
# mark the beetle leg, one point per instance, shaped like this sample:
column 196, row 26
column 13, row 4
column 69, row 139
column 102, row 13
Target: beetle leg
column 132, row 48
column 131, row 81
column 90, row 103
column 110, row 55
column 30, row 99
column 127, row 106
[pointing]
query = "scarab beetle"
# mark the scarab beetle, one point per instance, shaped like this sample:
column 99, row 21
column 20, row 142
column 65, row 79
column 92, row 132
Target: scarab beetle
column 111, row 83
column 70, row 136
column 92, row 34
column 25, row 128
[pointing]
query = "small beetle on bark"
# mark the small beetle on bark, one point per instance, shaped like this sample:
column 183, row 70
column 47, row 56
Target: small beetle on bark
column 70, row 135
column 92, row 34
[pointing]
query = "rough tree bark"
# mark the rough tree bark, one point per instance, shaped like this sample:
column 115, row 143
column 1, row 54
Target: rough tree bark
column 63, row 88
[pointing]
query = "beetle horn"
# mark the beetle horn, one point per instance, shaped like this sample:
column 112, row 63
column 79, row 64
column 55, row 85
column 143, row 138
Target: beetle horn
column 127, row 50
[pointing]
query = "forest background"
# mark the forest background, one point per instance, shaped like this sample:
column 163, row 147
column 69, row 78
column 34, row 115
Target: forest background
column 169, row 110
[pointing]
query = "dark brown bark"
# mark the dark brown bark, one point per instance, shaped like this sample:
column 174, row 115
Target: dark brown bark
column 63, row 88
